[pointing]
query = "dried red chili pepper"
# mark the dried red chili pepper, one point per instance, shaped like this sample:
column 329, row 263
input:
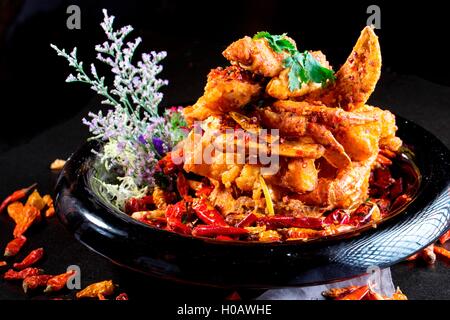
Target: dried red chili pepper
column 372, row 295
column 133, row 205
column 384, row 206
column 57, row 283
column 23, row 216
column 442, row 252
column 36, row 200
column 381, row 159
column 204, row 191
column 277, row 222
column 445, row 237
column 400, row 201
column 399, row 295
column 14, row 246
column 122, row 296
column 3, row 263
column 357, row 294
column 396, row 188
column 249, row 220
column 335, row 293
column 337, row 217
column 182, row 185
column 383, row 178
column 105, row 288
column 15, row 196
column 362, row 215
column 214, row 231
column 50, row 212
column 206, row 212
column 388, row 153
column 34, row 282
column 234, row 297
column 20, row 275
column 167, row 165
column 32, row 258
column 224, row 238
column 174, row 215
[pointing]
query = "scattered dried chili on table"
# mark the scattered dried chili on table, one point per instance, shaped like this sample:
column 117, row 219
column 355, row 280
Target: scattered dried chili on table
column 50, row 212
column 122, row 296
column 442, row 252
column 14, row 246
column 34, row 282
column 445, row 237
column 58, row 282
column 32, row 258
column 357, row 294
column 105, row 288
column 15, row 196
column 24, row 218
column 20, row 275
column 3, row 263
column 36, row 200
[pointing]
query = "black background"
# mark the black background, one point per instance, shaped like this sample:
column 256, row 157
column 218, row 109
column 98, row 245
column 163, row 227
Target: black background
column 41, row 114
column 413, row 37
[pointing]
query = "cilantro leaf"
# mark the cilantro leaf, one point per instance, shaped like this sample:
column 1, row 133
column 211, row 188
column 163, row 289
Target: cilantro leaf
column 304, row 68
column 316, row 72
column 278, row 43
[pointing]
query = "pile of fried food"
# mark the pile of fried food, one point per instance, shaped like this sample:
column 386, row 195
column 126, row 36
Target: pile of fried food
column 35, row 209
column 334, row 151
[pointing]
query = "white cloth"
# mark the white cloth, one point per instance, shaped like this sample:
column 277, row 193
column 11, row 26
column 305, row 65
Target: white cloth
column 384, row 281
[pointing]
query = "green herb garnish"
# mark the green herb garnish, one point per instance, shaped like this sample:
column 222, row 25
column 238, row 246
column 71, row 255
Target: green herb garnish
column 304, row 68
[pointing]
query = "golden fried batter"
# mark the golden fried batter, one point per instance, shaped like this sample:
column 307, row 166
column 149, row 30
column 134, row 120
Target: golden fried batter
column 357, row 78
column 227, row 90
column 256, row 56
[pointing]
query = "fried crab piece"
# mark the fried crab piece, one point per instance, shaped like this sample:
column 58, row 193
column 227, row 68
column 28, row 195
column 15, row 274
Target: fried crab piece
column 349, row 187
column 226, row 90
column 257, row 56
column 278, row 87
column 331, row 117
column 297, row 175
column 357, row 78
column 201, row 158
column 363, row 141
column 317, row 121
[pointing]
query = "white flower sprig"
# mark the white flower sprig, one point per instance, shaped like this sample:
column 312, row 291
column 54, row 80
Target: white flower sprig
column 135, row 135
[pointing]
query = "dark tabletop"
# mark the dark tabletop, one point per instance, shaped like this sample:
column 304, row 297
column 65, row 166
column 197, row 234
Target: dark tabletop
column 42, row 115
column 411, row 97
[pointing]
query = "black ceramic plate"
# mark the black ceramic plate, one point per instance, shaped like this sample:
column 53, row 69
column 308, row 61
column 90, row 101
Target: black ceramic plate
column 164, row 254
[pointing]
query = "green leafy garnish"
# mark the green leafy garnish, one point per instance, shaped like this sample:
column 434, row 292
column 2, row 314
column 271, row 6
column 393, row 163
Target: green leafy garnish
column 304, row 68
column 278, row 43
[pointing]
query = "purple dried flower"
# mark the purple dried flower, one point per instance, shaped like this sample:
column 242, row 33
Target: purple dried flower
column 142, row 139
column 159, row 145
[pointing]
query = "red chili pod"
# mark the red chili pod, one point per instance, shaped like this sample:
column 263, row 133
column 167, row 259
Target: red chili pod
column 207, row 213
column 122, row 296
column 277, row 222
column 174, row 215
column 215, row 231
column 15, row 196
column 248, row 221
column 57, row 283
column 34, row 282
column 20, row 275
column 32, row 258
column 14, row 246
